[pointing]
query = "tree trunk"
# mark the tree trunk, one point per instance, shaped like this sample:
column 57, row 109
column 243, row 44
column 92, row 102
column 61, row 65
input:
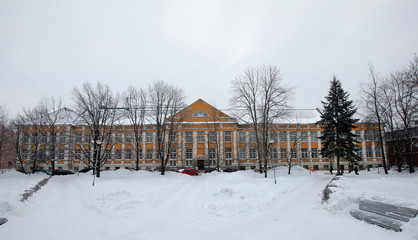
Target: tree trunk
column 53, row 168
column 338, row 166
column 97, row 170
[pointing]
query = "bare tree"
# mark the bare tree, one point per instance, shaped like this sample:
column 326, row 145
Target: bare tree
column 411, row 71
column 92, row 105
column 35, row 125
column 372, row 99
column 400, row 108
column 136, row 103
column 166, row 101
column 7, row 153
column 294, row 140
column 213, row 138
column 54, row 114
column 263, row 98
column 20, row 140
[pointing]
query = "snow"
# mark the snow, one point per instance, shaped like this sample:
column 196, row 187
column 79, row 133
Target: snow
column 241, row 205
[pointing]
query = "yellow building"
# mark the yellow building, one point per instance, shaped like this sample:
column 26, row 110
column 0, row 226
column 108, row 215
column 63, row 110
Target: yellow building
column 206, row 134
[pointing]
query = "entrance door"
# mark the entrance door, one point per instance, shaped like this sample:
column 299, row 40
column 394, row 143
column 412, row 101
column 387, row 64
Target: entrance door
column 201, row 164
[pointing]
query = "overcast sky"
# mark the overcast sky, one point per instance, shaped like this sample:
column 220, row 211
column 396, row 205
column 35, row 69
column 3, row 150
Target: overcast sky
column 49, row 47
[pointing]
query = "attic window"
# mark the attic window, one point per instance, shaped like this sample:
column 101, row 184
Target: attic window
column 200, row 114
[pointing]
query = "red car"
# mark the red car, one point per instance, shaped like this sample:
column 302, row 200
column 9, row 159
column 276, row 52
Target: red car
column 190, row 171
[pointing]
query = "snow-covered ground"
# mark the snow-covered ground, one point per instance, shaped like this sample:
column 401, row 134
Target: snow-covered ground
column 240, row 205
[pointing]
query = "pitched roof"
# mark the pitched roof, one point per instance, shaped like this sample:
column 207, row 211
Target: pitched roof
column 201, row 111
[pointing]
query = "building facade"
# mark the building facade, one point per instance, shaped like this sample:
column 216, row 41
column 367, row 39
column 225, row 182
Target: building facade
column 207, row 134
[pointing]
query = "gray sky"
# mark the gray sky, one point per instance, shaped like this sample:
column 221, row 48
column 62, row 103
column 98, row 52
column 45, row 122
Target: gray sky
column 49, row 47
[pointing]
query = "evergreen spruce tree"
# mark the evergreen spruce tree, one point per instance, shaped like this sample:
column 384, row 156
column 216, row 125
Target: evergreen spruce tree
column 337, row 117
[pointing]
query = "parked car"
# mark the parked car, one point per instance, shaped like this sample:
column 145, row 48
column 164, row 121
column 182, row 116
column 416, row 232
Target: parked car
column 209, row 169
column 46, row 172
column 230, row 170
column 63, row 172
column 190, row 171
column 86, row 169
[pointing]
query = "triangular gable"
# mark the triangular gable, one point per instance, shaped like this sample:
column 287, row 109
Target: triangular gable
column 200, row 111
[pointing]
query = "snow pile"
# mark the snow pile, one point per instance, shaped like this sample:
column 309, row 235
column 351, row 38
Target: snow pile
column 394, row 188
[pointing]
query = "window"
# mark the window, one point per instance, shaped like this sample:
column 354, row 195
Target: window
column 314, row 152
column 78, row 138
column 304, row 153
column 148, row 154
column 212, row 154
column 242, row 137
column 24, row 154
column 173, row 163
column 149, row 137
column 228, row 162
column 188, row 163
column 44, row 137
column 108, row 153
column 293, row 136
column 283, row 136
column 283, row 153
column 272, row 136
column 189, row 137
column 61, row 154
column 200, row 136
column 51, row 153
column 304, row 136
column 228, row 153
column 378, row 152
column 242, row 153
column 77, row 154
column 34, row 138
column 358, row 138
column 368, row 135
column 252, row 137
column 173, row 154
column 212, row 136
column 26, row 138
column 252, row 153
column 189, row 153
column 228, row 136
column 200, row 114
column 86, row 155
column 376, row 135
column 33, row 154
column 173, row 137
column 314, row 136
column 42, row 154
column 87, row 138
column 212, row 162
column 293, row 153
column 369, row 153
column 128, row 138
column 360, row 153
column 118, row 153
column 62, row 138
column 118, row 138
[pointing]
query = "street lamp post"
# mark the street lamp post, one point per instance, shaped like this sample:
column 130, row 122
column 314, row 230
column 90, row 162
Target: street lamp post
column 98, row 143
column 271, row 141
